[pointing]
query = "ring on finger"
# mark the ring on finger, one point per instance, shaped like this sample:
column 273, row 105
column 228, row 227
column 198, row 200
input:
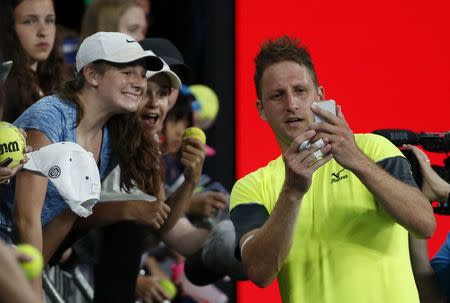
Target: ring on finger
column 317, row 155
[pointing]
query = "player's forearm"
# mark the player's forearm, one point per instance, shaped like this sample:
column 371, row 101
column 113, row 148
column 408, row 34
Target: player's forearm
column 264, row 254
column 406, row 204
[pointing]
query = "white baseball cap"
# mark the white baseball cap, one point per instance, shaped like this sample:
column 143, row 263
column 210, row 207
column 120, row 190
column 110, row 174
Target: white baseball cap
column 116, row 48
column 174, row 79
column 72, row 170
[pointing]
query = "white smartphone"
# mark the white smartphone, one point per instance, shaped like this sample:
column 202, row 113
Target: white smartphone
column 329, row 105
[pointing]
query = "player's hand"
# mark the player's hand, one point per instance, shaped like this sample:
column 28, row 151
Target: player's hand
column 340, row 137
column 301, row 164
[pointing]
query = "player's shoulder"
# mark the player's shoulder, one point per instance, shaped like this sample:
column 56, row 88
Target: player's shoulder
column 271, row 168
column 376, row 146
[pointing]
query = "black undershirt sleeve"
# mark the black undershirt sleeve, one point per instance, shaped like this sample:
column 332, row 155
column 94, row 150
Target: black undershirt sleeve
column 400, row 168
column 246, row 217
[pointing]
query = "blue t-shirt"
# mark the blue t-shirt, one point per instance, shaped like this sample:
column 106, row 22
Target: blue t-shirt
column 441, row 265
column 57, row 120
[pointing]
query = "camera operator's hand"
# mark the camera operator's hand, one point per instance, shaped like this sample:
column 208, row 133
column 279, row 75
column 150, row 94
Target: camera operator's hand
column 433, row 186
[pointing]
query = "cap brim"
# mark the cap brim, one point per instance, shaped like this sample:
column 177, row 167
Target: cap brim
column 175, row 81
column 149, row 62
column 152, row 62
column 5, row 67
column 178, row 67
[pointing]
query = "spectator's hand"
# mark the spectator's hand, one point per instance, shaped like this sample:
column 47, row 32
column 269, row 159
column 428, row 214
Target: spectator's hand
column 340, row 137
column 207, row 204
column 300, row 165
column 7, row 173
column 433, row 186
column 192, row 158
column 153, row 213
column 149, row 290
column 20, row 257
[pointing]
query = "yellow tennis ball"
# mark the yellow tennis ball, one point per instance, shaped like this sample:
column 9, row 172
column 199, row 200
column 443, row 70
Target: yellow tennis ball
column 195, row 133
column 208, row 100
column 32, row 268
column 169, row 287
column 12, row 145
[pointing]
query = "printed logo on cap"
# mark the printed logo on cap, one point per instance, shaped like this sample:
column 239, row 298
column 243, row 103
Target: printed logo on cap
column 54, row 172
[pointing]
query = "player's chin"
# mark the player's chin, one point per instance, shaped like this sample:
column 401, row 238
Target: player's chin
column 285, row 139
column 291, row 135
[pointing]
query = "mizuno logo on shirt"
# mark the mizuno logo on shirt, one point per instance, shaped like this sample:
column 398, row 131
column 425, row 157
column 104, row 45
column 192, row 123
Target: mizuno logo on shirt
column 336, row 177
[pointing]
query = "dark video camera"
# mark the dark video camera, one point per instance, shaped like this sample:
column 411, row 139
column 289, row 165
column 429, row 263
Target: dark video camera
column 438, row 142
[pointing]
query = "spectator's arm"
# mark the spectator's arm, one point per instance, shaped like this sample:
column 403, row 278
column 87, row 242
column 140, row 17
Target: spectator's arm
column 424, row 275
column 14, row 287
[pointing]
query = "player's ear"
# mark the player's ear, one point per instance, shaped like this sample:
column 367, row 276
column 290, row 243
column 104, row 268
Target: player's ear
column 321, row 92
column 260, row 108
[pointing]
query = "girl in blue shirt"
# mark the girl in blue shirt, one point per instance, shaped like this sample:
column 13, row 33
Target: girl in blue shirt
column 90, row 110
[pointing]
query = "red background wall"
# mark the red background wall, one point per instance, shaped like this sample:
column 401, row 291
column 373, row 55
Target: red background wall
column 387, row 63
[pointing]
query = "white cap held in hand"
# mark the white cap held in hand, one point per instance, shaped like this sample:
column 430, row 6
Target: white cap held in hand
column 72, row 170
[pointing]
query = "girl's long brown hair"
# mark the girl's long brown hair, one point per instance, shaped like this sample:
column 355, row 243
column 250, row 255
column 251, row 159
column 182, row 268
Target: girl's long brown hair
column 136, row 150
column 138, row 154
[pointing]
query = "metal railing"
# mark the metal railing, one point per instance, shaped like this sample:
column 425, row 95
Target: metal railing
column 61, row 286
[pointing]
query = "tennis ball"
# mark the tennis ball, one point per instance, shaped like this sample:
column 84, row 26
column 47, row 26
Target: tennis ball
column 208, row 100
column 169, row 288
column 32, row 268
column 195, row 133
column 12, row 144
